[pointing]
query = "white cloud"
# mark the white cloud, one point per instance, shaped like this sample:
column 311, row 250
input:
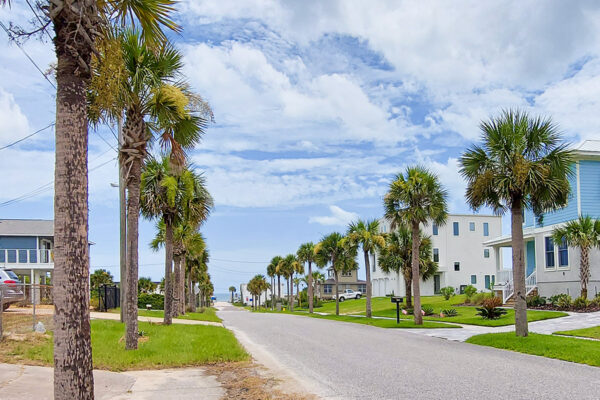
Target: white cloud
column 14, row 123
column 338, row 217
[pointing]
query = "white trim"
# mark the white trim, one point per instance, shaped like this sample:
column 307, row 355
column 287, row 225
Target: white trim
column 578, row 190
column 546, row 267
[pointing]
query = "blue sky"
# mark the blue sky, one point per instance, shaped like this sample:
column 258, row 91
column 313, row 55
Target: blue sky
column 317, row 105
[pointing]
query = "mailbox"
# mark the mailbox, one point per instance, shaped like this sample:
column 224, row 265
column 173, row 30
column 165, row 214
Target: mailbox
column 397, row 299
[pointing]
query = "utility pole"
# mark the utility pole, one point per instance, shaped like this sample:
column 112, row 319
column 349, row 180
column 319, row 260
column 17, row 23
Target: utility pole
column 122, row 223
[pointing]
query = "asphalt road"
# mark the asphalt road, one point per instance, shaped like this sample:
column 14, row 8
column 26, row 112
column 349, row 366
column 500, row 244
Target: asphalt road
column 353, row 361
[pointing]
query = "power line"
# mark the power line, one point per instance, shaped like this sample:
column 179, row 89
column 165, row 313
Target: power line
column 239, row 261
column 26, row 55
column 27, row 137
column 39, row 19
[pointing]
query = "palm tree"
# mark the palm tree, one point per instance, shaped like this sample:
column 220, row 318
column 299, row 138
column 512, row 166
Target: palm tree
column 318, row 278
column 396, row 255
column 175, row 196
column 366, row 234
column 585, row 234
column 275, row 262
column 414, row 198
column 286, row 267
column 77, row 24
column 232, row 290
column 271, row 272
column 333, row 249
column 197, row 264
column 521, row 163
column 297, row 268
column 306, row 254
column 297, row 280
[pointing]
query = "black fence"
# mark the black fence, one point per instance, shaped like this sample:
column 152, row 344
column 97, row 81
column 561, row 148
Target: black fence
column 109, row 296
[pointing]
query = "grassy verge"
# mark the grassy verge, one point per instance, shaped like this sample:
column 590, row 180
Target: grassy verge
column 160, row 347
column 568, row 349
column 380, row 323
column 593, row 332
column 209, row 314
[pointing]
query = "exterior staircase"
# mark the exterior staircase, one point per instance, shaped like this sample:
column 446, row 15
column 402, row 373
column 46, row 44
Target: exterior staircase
column 506, row 289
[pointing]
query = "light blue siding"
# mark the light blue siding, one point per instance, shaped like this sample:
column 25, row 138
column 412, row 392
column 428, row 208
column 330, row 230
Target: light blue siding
column 530, row 252
column 529, row 219
column 589, row 175
column 568, row 212
column 18, row 242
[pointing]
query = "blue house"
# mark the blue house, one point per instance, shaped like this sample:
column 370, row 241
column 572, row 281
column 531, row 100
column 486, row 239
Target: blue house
column 26, row 247
column 553, row 268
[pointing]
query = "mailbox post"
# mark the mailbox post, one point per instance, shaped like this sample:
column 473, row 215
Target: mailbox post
column 397, row 300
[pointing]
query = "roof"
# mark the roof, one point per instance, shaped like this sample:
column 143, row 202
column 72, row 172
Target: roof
column 589, row 148
column 26, row 227
column 332, row 282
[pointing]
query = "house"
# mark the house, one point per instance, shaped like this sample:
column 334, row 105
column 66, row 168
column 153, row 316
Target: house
column 553, row 268
column 26, row 247
column 246, row 298
column 346, row 280
column 458, row 248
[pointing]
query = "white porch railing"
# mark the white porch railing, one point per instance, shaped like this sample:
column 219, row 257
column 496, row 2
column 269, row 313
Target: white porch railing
column 530, row 282
column 508, row 287
column 508, row 290
column 26, row 256
column 504, row 276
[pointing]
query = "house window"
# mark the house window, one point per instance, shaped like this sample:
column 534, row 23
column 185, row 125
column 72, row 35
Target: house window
column 435, row 229
column 473, row 279
column 347, row 274
column 563, row 255
column 362, row 288
column 486, row 253
column 472, row 226
column 457, row 266
column 455, row 227
column 436, row 255
column 327, row 289
column 549, row 252
column 487, row 282
column 486, row 229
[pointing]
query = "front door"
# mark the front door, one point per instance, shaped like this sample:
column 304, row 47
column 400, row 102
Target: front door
column 436, row 284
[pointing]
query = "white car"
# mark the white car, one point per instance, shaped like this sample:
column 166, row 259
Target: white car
column 349, row 294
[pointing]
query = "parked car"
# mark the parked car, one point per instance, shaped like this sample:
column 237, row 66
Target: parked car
column 349, row 294
column 11, row 288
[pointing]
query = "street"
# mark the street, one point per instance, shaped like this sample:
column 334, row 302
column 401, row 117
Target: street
column 343, row 360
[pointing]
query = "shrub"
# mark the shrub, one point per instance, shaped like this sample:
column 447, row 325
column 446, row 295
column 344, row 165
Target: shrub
column 535, row 301
column 581, row 302
column 450, row 312
column 489, row 309
column 447, row 292
column 157, row 301
column 478, row 298
column 427, row 310
column 561, row 300
column 469, row 291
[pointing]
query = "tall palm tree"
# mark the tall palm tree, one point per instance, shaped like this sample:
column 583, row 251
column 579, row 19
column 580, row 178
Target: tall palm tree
column 193, row 257
column 77, row 24
column 414, row 198
column 366, row 234
column 271, row 272
column 332, row 249
column 297, row 281
column 584, row 233
column 175, row 196
column 396, row 255
column 297, row 268
column 275, row 262
column 232, row 290
column 197, row 264
column 521, row 163
column 306, row 254
column 318, row 278
column 286, row 267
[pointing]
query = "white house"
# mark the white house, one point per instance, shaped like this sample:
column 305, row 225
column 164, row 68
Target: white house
column 458, row 248
column 553, row 268
column 246, row 297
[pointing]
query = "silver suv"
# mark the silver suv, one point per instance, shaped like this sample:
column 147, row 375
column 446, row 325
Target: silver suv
column 11, row 288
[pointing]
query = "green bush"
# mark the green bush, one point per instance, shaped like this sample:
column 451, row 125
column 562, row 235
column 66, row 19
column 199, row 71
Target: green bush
column 490, row 308
column 478, row 298
column 561, row 300
column 535, row 301
column 449, row 312
column 581, row 302
column 469, row 291
column 156, row 300
column 427, row 310
column 447, row 292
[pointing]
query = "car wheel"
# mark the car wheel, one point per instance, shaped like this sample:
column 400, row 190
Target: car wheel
column 5, row 306
column 342, row 299
column 357, row 296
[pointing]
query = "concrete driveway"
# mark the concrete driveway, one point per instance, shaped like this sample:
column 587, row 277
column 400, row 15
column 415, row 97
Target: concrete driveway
column 344, row 360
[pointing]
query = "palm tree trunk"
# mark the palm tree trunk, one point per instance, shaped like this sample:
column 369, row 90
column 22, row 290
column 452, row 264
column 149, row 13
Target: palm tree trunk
column 416, row 243
column 279, row 288
column 292, row 295
column 368, row 278
column 168, row 314
column 310, row 288
column 298, row 294
column 192, row 303
column 182, row 286
column 584, row 272
column 133, row 212
column 337, row 297
column 176, row 290
column 73, row 377
column 408, row 289
column 518, row 261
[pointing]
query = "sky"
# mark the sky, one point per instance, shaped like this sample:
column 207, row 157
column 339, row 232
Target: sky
column 317, row 106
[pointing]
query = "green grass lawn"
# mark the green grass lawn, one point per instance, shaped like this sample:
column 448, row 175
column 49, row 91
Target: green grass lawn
column 161, row 347
column 593, row 332
column 209, row 314
column 569, row 349
column 383, row 307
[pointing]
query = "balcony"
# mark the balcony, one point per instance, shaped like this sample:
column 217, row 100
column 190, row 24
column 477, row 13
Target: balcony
column 26, row 256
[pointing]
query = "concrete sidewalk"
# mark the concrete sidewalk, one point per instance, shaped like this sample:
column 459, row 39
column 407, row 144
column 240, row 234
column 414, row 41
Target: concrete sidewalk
column 30, row 382
column 117, row 317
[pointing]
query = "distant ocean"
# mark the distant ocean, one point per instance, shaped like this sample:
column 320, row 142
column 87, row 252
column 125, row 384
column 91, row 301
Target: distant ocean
column 223, row 296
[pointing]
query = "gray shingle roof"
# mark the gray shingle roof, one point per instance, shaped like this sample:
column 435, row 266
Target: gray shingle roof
column 26, row 227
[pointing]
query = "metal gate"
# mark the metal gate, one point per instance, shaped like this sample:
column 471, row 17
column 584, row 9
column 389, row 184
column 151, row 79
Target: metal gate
column 108, row 296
